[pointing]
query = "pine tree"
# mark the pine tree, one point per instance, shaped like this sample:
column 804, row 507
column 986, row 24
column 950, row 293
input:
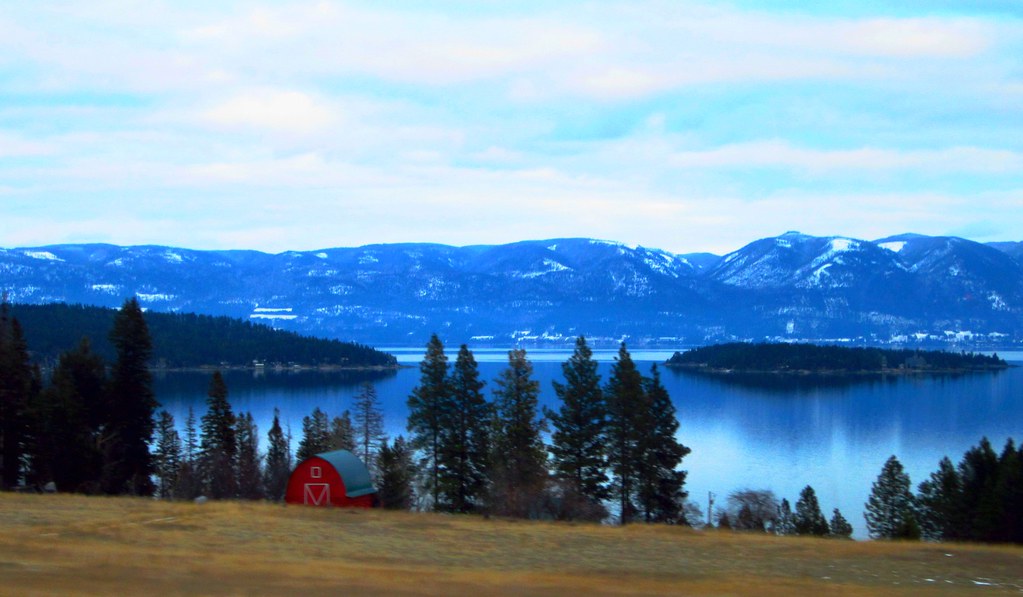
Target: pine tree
column 659, row 482
column 577, row 440
column 519, row 455
column 465, row 443
column 250, row 472
column 628, row 420
column 939, row 501
column 278, row 461
column 785, row 523
column 316, row 435
column 396, row 474
column 978, row 472
column 188, row 483
column 889, row 510
column 1008, row 496
column 369, row 424
column 840, row 527
column 16, row 393
column 342, row 434
column 218, row 444
column 128, row 464
column 167, row 457
column 428, row 405
column 808, row 519
column 66, row 423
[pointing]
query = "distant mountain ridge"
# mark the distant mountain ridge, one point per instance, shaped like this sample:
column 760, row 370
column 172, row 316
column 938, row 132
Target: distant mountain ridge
column 901, row 289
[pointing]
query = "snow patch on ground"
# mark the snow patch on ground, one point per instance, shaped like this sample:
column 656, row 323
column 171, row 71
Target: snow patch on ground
column 44, row 255
column 107, row 288
column 272, row 316
column 322, row 255
column 272, row 310
column 173, row 257
column 840, row 245
column 894, row 246
column 156, row 297
column 551, row 267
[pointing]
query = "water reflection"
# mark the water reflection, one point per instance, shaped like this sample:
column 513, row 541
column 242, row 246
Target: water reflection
column 813, row 383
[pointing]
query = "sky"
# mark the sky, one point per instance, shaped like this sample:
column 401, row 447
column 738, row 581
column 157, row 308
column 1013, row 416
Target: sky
column 684, row 126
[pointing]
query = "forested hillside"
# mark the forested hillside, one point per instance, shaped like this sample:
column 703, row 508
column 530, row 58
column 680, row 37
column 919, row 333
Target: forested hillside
column 810, row 357
column 186, row 339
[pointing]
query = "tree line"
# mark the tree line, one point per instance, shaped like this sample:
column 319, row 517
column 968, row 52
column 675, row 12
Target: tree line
column 89, row 428
column 610, row 443
column 769, row 356
column 980, row 499
column 759, row 510
column 187, row 339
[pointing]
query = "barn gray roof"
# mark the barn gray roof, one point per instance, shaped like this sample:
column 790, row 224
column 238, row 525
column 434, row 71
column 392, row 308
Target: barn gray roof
column 352, row 470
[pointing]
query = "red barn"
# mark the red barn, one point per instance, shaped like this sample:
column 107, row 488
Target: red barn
column 336, row 478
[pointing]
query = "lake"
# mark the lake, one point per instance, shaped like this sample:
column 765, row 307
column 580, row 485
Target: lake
column 763, row 431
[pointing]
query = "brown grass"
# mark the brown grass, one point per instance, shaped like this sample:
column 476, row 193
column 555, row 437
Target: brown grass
column 72, row 545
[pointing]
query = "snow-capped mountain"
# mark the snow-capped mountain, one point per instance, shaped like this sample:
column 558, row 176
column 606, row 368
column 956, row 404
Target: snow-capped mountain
column 793, row 286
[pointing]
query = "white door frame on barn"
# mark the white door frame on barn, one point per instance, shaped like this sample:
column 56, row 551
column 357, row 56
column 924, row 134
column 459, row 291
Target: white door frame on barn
column 312, row 497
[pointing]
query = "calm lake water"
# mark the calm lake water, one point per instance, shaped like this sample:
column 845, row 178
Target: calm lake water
column 765, row 431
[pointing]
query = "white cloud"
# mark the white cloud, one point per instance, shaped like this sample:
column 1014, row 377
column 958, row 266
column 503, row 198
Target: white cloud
column 278, row 110
column 782, row 154
column 15, row 145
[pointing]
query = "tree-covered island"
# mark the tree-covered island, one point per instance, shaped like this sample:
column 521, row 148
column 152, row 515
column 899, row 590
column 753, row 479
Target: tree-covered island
column 812, row 358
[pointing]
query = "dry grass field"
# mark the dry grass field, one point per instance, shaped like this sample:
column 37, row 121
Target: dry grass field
column 72, row 545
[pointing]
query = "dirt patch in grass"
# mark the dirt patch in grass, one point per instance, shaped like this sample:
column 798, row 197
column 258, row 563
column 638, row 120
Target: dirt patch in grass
column 98, row 546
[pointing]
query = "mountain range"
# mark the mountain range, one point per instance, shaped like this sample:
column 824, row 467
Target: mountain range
column 903, row 289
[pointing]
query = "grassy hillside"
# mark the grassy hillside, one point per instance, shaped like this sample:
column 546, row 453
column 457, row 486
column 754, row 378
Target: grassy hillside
column 53, row 544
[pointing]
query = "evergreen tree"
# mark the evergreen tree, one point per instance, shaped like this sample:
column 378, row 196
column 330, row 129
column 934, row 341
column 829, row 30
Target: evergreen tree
column 250, row 472
column 16, row 387
column 889, row 510
column 785, row 523
column 939, row 501
column 342, row 434
column 167, row 458
column 191, row 446
column 67, row 417
column 808, row 519
column 1008, row 496
column 577, row 440
column 128, row 465
column 519, row 455
column 218, row 443
column 465, row 443
column 369, row 424
column 396, row 474
column 428, row 405
column 978, row 472
column 278, row 461
column 659, row 482
column 188, row 484
column 840, row 527
column 628, row 420
column 316, row 435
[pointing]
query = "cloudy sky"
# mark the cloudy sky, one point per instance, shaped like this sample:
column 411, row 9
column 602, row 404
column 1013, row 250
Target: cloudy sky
column 686, row 126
